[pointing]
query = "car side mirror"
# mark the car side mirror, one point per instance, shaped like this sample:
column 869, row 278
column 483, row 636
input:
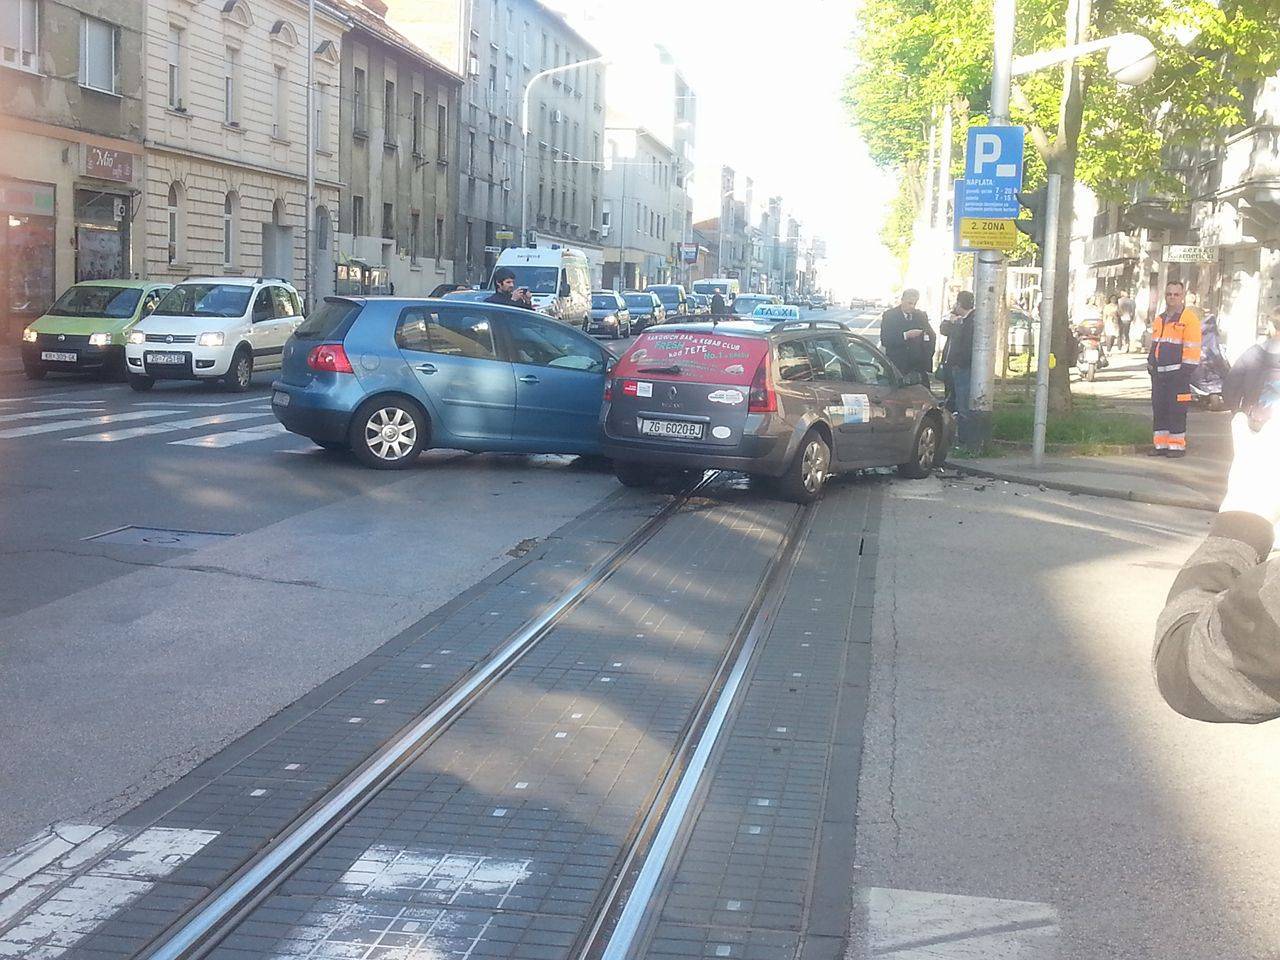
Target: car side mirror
column 564, row 288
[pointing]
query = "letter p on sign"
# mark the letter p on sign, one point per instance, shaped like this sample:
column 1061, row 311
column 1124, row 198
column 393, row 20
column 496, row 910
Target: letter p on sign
column 987, row 151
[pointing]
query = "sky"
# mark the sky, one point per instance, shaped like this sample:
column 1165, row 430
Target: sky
column 769, row 79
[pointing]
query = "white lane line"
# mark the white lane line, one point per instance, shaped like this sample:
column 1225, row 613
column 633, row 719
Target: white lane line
column 77, row 402
column 149, row 429
column 200, row 403
column 43, row 414
column 74, row 906
column 230, row 438
column 81, row 424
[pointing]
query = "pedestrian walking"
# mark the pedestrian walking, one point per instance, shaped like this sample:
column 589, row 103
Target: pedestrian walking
column 957, row 355
column 1217, row 649
column 1253, row 382
column 1174, row 356
column 907, row 337
column 1111, row 323
column 1127, row 310
column 718, row 306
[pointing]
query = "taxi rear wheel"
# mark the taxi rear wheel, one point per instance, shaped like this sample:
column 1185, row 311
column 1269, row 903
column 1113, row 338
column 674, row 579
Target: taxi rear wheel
column 808, row 471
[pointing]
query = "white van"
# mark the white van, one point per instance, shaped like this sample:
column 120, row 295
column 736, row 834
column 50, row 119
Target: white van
column 728, row 287
column 558, row 278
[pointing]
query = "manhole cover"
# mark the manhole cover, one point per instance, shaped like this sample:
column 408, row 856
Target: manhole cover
column 160, row 537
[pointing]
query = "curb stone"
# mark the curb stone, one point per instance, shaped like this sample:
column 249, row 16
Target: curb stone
column 1134, row 496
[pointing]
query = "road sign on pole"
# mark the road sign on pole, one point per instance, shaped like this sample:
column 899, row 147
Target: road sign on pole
column 993, row 172
column 957, row 205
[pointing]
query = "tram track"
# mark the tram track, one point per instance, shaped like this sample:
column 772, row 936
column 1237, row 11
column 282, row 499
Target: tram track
column 617, row 918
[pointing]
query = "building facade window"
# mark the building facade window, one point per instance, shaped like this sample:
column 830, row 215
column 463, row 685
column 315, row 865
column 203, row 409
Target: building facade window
column 388, row 221
column 389, row 112
column 415, row 225
column 439, row 248
column 229, row 205
column 175, row 68
column 359, row 96
column 357, row 216
column 320, row 135
column 416, row 125
column 177, row 223
column 99, row 42
column 19, row 35
column 280, row 128
column 442, row 132
column 231, row 87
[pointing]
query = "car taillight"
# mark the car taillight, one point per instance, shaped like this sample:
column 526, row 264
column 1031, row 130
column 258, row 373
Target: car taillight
column 762, row 399
column 608, row 390
column 329, row 358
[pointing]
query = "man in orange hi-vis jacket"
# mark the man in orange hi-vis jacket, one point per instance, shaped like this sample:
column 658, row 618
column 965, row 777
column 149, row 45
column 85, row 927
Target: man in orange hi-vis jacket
column 1174, row 356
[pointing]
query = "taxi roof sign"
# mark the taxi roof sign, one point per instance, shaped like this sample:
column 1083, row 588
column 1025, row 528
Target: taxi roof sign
column 776, row 311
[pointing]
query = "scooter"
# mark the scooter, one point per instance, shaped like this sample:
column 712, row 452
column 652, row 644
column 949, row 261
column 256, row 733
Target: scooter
column 1090, row 357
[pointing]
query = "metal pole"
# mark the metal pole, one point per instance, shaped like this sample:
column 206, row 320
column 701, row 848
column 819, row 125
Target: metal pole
column 524, row 132
column 1049, row 255
column 622, row 221
column 939, row 234
column 308, row 267
column 989, row 266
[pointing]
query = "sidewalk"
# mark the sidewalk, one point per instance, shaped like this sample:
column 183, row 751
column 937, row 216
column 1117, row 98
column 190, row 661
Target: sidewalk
column 1196, row 481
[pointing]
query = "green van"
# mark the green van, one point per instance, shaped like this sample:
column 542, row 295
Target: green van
column 86, row 328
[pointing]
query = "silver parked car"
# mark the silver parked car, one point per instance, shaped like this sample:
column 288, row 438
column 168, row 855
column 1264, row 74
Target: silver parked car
column 793, row 402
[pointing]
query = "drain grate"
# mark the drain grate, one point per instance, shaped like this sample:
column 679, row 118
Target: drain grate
column 160, row 537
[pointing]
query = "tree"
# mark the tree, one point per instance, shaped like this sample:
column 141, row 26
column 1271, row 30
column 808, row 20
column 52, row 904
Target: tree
column 914, row 54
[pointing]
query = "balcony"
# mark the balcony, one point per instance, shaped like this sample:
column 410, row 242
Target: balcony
column 1251, row 166
column 1113, row 246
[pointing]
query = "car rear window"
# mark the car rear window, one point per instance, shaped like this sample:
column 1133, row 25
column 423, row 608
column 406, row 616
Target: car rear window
column 328, row 321
column 693, row 356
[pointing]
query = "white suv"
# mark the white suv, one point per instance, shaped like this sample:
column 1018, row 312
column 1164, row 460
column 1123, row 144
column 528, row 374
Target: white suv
column 214, row 328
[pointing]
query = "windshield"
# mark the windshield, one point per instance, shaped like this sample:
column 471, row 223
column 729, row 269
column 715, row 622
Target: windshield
column 537, row 279
column 745, row 304
column 667, row 294
column 641, row 300
column 115, row 303
column 694, row 356
column 205, row 300
column 601, row 302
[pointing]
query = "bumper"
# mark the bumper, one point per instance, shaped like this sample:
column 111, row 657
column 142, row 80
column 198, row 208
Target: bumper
column 598, row 328
column 763, row 456
column 86, row 357
column 198, row 363
column 309, row 413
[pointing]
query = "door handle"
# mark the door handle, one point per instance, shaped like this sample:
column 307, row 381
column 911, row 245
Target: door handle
column 425, row 367
column 529, row 378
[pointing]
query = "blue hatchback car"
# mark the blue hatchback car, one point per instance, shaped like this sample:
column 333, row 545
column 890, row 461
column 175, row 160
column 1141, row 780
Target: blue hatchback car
column 389, row 377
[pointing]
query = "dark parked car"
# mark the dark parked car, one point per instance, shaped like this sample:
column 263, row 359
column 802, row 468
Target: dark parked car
column 646, row 309
column 609, row 315
column 793, row 402
column 674, row 300
column 699, row 304
column 389, row 377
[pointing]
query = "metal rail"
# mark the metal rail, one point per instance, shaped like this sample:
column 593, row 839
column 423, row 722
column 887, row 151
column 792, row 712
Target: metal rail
column 207, row 923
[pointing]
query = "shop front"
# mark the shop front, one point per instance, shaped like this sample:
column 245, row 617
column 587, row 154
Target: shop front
column 27, row 250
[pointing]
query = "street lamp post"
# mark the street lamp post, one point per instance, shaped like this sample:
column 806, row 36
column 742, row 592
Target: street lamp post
column 524, row 133
column 308, row 261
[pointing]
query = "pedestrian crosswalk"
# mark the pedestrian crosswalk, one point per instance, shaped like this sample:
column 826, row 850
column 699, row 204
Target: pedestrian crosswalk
column 182, row 423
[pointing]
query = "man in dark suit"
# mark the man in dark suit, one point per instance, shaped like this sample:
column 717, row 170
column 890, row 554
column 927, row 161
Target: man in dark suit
column 907, row 337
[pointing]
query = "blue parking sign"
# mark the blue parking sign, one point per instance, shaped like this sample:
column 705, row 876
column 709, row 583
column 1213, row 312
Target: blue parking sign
column 992, row 173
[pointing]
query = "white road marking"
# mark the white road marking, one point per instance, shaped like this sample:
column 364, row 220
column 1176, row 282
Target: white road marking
column 168, row 426
column 80, row 424
column 918, row 925
column 200, row 403
column 71, row 906
column 43, row 414
column 232, row 437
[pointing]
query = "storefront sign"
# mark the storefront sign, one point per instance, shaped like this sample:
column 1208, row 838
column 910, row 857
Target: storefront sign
column 1186, row 253
column 31, row 199
column 504, row 236
column 689, row 252
column 108, row 164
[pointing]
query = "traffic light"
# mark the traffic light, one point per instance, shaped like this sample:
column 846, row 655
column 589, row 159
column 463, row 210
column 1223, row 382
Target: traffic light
column 1033, row 201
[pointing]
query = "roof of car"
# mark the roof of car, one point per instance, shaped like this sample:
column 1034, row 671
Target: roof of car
column 233, row 281
column 127, row 282
column 752, row 327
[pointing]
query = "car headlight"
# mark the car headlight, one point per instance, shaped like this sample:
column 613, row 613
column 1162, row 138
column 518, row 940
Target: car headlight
column 137, row 336
column 213, row 338
column 29, row 335
column 99, row 339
